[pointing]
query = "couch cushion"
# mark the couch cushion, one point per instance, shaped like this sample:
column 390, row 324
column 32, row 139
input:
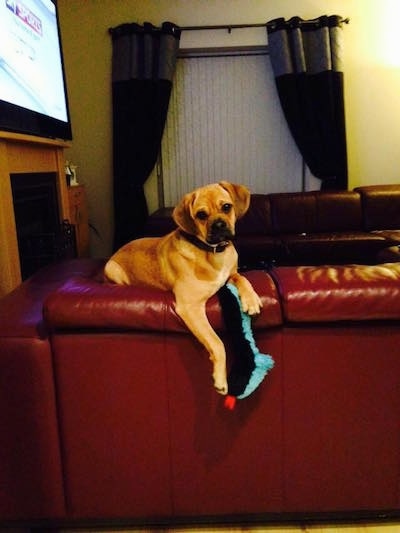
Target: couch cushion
column 257, row 220
column 256, row 251
column 381, row 206
column 391, row 235
column 293, row 212
column 339, row 293
column 336, row 247
column 391, row 254
column 316, row 211
column 338, row 211
column 84, row 303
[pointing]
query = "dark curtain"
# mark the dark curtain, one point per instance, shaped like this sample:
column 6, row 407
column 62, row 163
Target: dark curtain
column 306, row 60
column 143, row 65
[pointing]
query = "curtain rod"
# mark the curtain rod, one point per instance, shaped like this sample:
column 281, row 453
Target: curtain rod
column 231, row 27
column 228, row 27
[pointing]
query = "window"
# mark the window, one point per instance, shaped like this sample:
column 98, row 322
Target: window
column 225, row 122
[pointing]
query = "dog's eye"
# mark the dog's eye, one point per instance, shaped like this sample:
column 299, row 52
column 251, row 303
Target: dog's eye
column 226, row 208
column 201, row 215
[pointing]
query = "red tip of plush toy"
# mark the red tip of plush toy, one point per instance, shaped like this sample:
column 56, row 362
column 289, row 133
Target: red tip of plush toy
column 230, row 402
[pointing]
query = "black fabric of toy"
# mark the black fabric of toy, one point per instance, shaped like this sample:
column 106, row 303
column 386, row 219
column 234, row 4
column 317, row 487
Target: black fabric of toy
column 243, row 364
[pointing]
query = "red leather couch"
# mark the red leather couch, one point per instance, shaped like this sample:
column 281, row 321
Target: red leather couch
column 108, row 413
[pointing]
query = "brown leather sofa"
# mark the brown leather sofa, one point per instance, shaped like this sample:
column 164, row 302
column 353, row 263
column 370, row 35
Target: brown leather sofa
column 313, row 228
column 108, row 413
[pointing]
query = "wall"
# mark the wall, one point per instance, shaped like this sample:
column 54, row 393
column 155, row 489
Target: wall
column 372, row 80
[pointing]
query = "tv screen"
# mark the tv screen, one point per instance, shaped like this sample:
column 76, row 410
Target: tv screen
column 33, row 94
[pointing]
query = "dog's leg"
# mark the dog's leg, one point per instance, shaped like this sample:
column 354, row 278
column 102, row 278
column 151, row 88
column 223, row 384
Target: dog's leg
column 195, row 318
column 251, row 302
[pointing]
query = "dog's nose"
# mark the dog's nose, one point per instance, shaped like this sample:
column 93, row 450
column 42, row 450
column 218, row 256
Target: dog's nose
column 218, row 225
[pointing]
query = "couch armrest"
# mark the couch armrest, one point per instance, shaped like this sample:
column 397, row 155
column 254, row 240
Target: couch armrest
column 21, row 309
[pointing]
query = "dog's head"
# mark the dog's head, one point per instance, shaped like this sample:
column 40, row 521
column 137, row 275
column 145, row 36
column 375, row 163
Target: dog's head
column 210, row 212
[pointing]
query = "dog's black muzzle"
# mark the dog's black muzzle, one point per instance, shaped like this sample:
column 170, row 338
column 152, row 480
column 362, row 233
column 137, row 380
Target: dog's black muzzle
column 219, row 231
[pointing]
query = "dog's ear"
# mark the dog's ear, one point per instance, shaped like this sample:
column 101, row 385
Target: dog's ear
column 240, row 196
column 182, row 214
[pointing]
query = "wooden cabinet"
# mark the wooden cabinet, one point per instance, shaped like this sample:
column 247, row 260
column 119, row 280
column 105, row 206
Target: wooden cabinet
column 24, row 154
column 79, row 217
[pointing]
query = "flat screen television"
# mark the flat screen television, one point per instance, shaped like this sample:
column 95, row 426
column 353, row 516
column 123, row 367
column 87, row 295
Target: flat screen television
column 33, row 91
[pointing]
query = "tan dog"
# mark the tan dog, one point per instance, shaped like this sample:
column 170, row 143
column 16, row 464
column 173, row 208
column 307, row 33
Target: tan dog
column 194, row 262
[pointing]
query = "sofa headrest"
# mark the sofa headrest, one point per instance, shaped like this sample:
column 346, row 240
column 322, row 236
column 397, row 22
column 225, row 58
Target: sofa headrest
column 257, row 220
column 316, row 212
column 338, row 211
column 381, row 206
column 339, row 293
column 84, row 303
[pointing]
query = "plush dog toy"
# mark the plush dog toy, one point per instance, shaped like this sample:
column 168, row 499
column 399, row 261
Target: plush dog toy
column 249, row 366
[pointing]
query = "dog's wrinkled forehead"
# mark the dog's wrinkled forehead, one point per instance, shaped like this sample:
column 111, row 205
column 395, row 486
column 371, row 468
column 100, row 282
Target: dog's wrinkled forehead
column 210, row 198
column 201, row 207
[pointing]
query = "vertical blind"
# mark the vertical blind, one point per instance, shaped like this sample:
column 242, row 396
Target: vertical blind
column 225, row 123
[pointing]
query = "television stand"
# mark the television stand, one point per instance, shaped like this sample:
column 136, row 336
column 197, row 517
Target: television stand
column 25, row 154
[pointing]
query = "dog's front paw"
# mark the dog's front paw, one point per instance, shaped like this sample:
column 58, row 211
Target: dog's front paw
column 221, row 389
column 220, row 383
column 251, row 303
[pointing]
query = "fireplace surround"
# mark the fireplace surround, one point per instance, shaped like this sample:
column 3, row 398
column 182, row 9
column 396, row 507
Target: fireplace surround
column 41, row 237
column 25, row 154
